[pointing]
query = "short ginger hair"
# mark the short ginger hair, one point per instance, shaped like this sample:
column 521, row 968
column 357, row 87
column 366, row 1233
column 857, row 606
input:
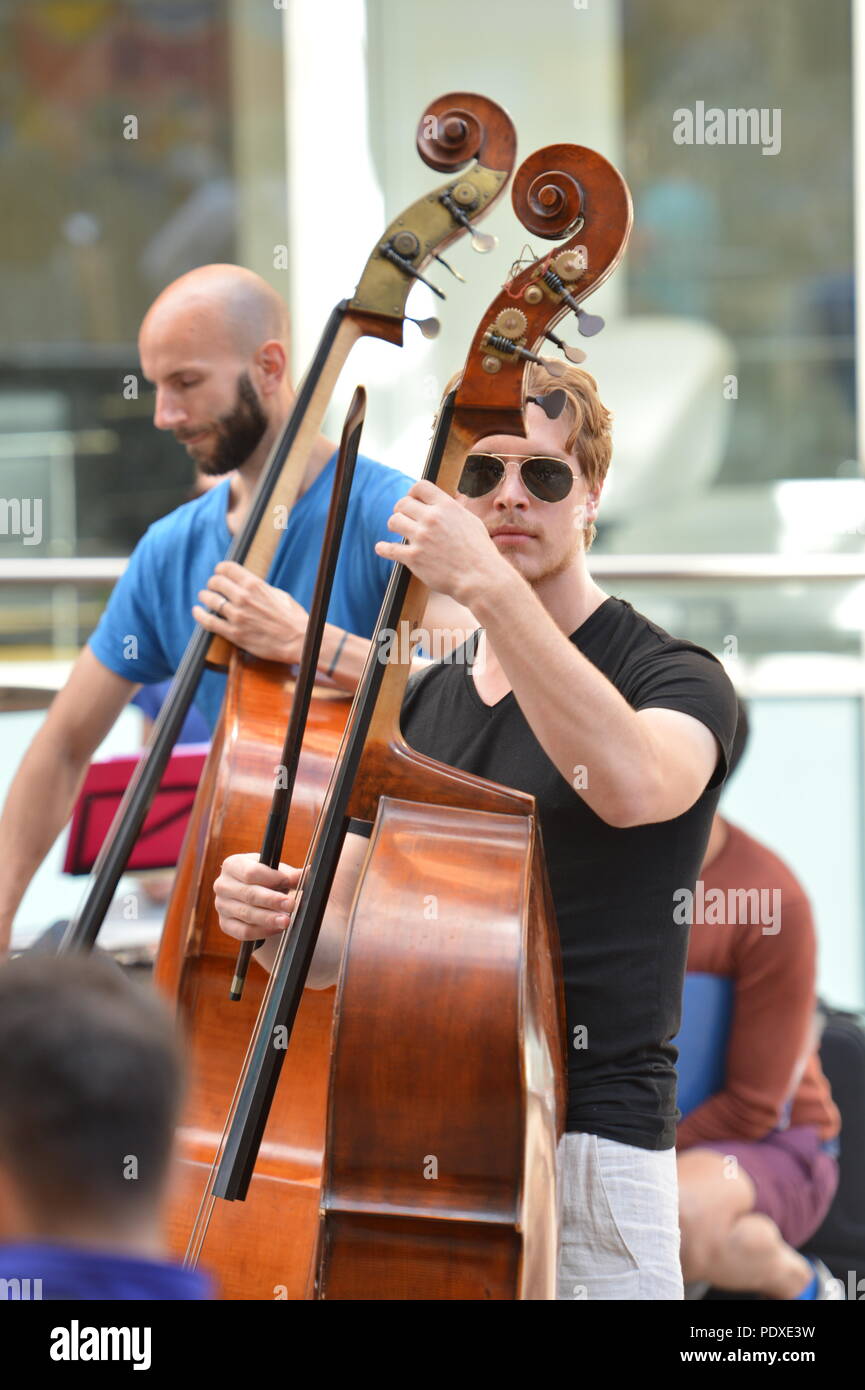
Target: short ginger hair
column 590, row 437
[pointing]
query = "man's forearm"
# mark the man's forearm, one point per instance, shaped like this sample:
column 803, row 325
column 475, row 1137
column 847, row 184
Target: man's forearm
column 324, row 967
column 326, row 958
column 445, row 626
column 585, row 726
column 342, row 660
column 38, row 805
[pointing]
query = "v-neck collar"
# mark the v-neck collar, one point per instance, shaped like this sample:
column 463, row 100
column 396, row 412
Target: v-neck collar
column 473, row 643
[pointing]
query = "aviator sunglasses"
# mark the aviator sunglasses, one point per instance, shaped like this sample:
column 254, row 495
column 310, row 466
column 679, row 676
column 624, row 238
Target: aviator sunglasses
column 548, row 479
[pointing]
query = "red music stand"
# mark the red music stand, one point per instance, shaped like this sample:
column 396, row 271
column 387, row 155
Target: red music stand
column 158, row 845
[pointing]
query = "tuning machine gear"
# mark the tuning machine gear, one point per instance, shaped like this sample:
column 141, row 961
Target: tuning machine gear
column 506, row 338
column 570, row 265
column 511, row 323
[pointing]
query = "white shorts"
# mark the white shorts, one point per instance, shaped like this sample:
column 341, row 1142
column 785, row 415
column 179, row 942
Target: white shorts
column 619, row 1221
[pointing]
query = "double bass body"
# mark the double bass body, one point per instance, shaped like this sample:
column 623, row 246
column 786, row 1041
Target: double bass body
column 264, row 1247
column 445, row 1097
column 410, row 1149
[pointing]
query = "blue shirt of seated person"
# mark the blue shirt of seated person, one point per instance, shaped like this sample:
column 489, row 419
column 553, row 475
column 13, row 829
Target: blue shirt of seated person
column 31, row 1272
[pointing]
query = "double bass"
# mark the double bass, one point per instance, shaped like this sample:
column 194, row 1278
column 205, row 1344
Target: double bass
column 441, row 1072
column 472, row 140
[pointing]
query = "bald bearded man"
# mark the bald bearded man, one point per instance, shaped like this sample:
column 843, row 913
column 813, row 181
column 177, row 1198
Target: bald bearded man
column 215, row 346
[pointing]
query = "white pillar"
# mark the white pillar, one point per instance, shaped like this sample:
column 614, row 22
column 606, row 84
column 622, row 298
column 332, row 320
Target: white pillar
column 335, row 206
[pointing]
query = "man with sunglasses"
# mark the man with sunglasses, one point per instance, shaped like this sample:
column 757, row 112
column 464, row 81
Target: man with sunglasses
column 622, row 733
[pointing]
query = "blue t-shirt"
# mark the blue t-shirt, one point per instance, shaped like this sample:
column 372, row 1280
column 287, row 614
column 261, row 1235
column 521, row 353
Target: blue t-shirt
column 46, row 1272
column 148, row 620
column 150, row 699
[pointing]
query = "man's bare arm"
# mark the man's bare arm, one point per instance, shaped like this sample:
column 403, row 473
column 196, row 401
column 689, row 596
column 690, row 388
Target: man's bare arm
column 43, row 793
column 640, row 766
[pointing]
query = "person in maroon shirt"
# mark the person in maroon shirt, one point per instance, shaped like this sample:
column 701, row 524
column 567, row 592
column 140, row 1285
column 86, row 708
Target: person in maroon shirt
column 756, row 1164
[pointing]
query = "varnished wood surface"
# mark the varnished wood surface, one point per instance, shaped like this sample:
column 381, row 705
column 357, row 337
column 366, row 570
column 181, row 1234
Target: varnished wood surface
column 266, row 1242
column 447, row 1046
column 491, row 403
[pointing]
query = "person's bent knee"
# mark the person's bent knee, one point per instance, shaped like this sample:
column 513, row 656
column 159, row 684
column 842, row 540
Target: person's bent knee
column 709, row 1206
column 755, row 1237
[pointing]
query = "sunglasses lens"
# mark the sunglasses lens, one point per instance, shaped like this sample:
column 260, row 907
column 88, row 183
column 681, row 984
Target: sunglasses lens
column 481, row 473
column 549, row 479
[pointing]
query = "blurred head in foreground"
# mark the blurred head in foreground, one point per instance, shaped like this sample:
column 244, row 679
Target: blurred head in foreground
column 90, row 1089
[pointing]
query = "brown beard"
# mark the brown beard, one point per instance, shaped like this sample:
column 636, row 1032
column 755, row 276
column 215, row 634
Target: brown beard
column 238, row 433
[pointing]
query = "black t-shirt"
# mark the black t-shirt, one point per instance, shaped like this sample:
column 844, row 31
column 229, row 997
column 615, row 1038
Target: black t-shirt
column 623, row 954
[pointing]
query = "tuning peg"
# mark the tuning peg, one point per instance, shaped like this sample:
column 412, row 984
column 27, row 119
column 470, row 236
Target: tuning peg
column 573, row 354
column 464, row 195
column 588, row 324
column 454, row 273
column 552, row 404
column 482, row 241
column 509, row 348
column 430, row 328
column 392, row 254
column 553, row 367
